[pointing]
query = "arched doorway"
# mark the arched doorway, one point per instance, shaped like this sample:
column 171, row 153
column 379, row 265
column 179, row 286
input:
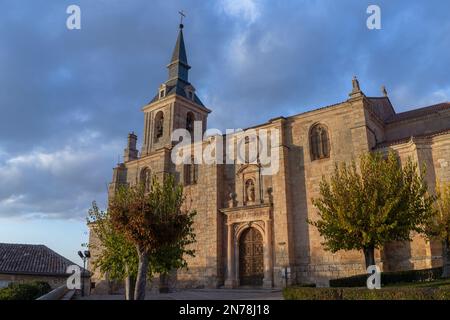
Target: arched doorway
column 251, row 258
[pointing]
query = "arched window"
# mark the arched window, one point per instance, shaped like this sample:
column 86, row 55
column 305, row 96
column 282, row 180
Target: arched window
column 159, row 125
column 190, row 173
column 190, row 118
column 145, row 178
column 319, row 142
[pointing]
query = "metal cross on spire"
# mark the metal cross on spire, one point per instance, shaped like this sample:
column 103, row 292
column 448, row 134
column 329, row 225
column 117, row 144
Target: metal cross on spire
column 182, row 16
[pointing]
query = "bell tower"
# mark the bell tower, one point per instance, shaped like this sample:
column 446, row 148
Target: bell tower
column 176, row 104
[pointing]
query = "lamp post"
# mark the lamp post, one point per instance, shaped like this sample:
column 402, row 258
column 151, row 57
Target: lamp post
column 84, row 256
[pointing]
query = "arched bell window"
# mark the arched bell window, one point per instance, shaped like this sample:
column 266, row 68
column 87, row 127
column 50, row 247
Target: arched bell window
column 190, row 118
column 319, row 142
column 159, row 125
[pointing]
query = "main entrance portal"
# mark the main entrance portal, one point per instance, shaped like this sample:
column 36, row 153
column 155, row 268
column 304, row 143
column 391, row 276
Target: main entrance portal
column 251, row 258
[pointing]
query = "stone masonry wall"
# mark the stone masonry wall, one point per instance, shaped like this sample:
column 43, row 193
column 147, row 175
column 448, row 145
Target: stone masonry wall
column 348, row 138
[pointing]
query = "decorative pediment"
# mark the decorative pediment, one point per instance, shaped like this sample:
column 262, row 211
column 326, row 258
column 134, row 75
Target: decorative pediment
column 243, row 168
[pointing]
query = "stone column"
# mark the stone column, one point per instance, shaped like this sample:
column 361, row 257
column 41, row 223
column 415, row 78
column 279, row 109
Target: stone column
column 230, row 282
column 268, row 270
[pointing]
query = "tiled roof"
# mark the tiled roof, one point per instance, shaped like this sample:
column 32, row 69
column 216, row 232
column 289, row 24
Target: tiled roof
column 382, row 107
column 416, row 113
column 171, row 90
column 31, row 259
column 405, row 140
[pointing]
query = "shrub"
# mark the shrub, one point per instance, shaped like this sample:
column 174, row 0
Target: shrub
column 307, row 293
column 307, row 285
column 388, row 294
column 390, row 278
column 401, row 293
column 25, row 291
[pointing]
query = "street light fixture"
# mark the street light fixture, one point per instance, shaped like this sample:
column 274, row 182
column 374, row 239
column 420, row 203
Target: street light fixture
column 84, row 257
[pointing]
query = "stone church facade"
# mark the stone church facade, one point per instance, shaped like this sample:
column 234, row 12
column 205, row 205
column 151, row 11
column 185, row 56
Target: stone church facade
column 251, row 227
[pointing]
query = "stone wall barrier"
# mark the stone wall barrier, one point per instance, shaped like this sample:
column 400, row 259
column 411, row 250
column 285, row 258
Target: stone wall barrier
column 60, row 293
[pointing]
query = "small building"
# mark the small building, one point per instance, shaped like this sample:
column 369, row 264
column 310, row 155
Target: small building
column 29, row 262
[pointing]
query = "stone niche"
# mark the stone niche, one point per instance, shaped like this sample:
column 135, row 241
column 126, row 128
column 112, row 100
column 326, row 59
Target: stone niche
column 249, row 185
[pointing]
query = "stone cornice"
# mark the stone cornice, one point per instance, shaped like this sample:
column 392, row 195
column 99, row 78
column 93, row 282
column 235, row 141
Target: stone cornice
column 412, row 139
column 245, row 208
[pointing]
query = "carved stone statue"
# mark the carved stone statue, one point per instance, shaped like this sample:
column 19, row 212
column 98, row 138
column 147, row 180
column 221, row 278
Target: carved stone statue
column 355, row 85
column 250, row 191
column 232, row 200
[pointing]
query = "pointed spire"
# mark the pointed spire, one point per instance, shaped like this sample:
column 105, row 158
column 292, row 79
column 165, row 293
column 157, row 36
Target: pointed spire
column 179, row 67
column 355, row 85
column 356, row 90
column 178, row 80
column 179, row 52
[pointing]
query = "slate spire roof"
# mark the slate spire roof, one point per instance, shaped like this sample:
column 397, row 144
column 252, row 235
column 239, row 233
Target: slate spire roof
column 31, row 259
column 179, row 52
column 178, row 67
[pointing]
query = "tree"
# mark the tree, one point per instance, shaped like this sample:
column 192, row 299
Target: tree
column 117, row 256
column 366, row 208
column 438, row 227
column 155, row 223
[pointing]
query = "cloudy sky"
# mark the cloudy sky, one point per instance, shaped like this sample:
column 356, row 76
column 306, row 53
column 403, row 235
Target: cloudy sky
column 69, row 98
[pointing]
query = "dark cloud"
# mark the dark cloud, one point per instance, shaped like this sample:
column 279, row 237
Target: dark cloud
column 68, row 98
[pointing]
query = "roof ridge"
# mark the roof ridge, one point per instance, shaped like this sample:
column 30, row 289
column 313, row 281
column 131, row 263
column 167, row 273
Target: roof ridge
column 418, row 112
column 318, row 109
column 425, row 107
column 22, row 244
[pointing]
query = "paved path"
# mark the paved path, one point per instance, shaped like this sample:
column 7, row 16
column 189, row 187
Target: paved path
column 203, row 294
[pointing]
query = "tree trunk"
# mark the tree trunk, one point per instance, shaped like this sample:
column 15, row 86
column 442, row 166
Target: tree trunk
column 164, row 283
column 129, row 287
column 369, row 256
column 446, row 259
column 141, row 280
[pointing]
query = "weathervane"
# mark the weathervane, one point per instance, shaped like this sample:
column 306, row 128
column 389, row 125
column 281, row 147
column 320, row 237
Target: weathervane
column 182, row 16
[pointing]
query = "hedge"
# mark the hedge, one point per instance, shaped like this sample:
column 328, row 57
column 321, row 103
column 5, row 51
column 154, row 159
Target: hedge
column 390, row 278
column 25, row 291
column 402, row 293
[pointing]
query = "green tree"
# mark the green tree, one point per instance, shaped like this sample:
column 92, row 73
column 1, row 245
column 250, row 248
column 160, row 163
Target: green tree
column 438, row 227
column 117, row 256
column 362, row 209
column 155, row 223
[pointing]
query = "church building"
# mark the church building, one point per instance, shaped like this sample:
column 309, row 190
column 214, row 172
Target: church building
column 251, row 227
